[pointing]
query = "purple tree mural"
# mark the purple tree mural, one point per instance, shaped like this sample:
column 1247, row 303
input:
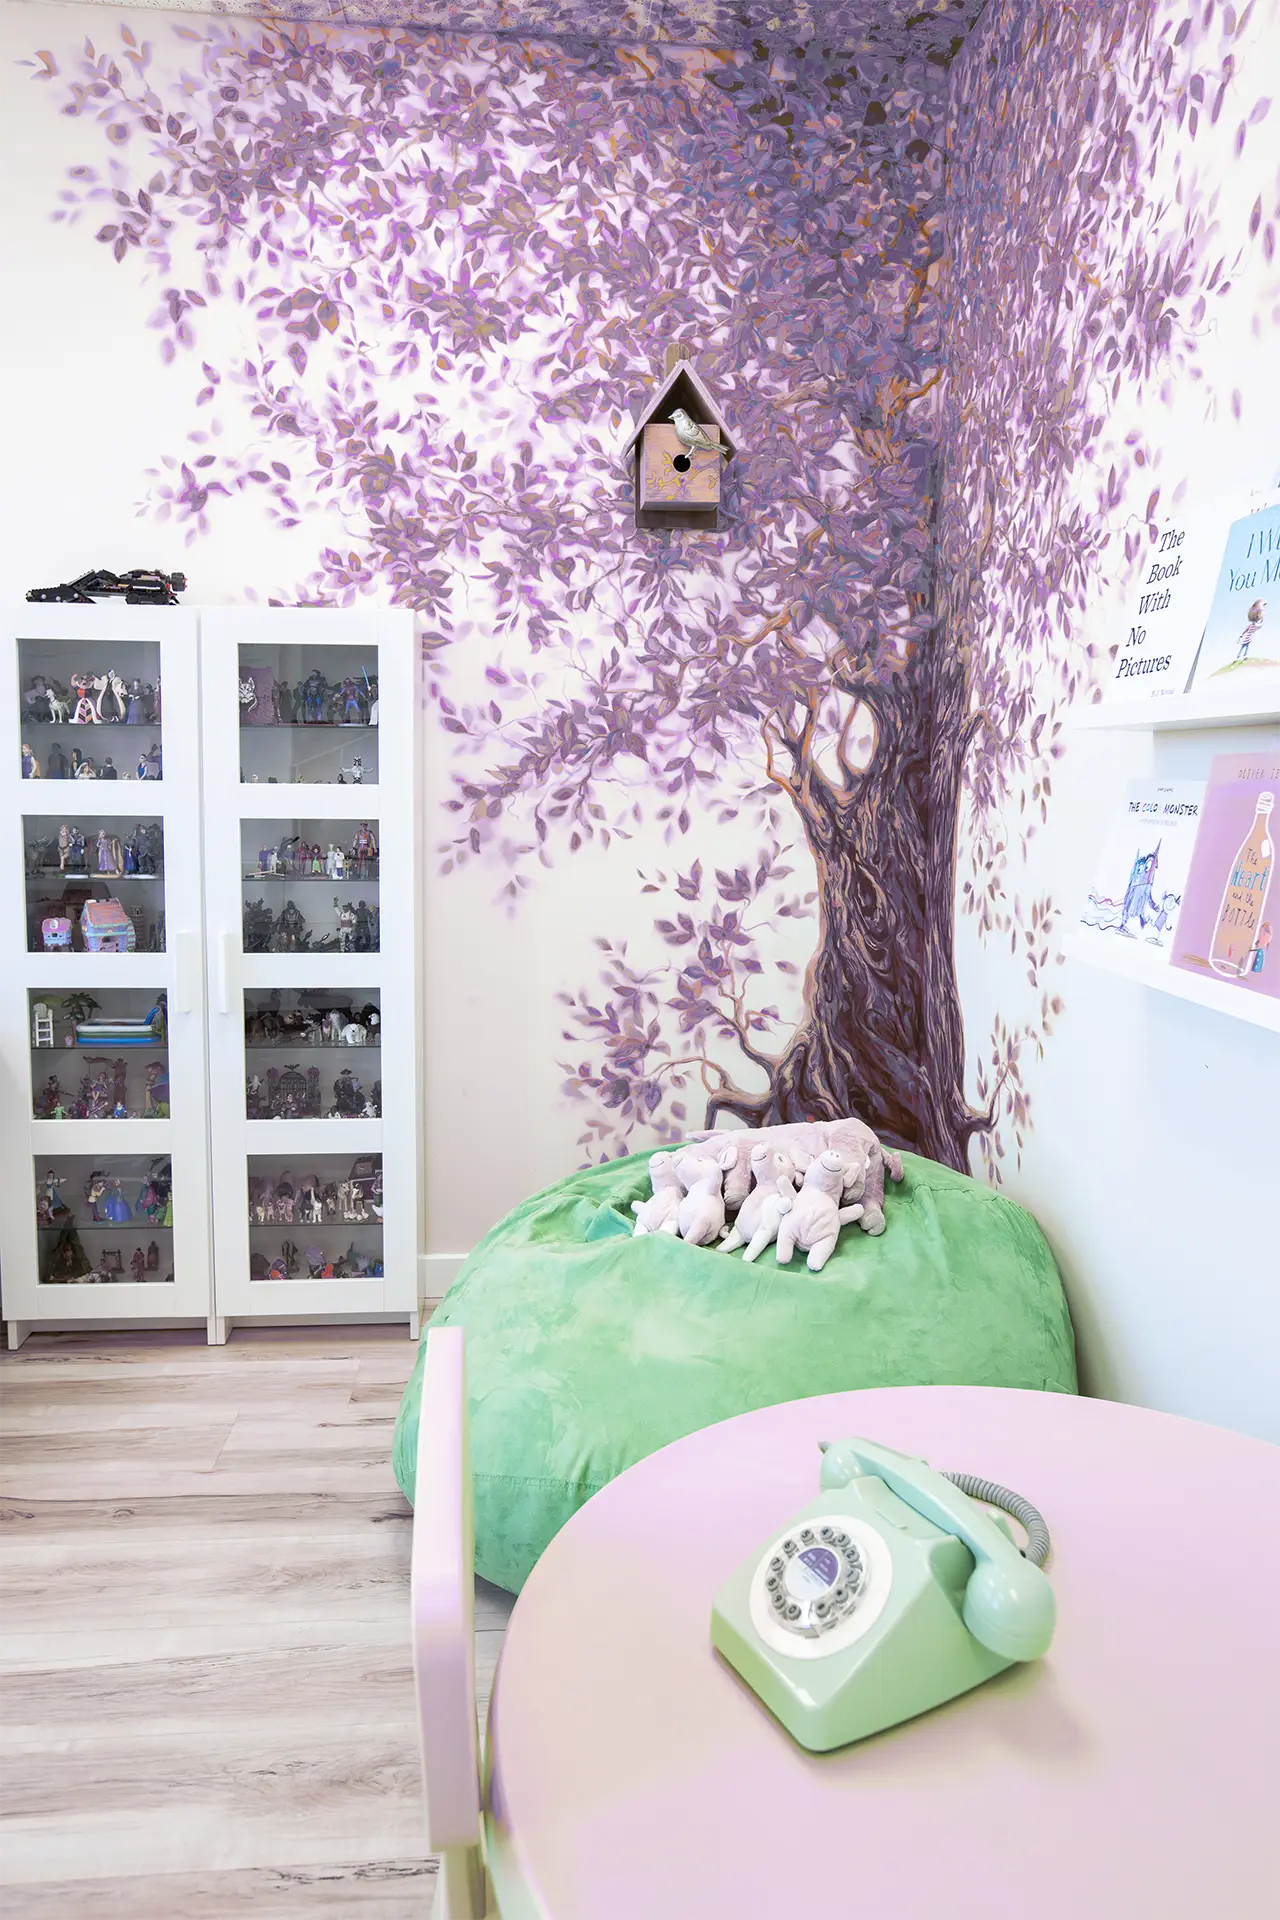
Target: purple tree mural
column 1084, row 259
column 460, row 259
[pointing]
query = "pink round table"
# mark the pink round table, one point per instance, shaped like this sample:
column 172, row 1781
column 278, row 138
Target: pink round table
column 1132, row 1774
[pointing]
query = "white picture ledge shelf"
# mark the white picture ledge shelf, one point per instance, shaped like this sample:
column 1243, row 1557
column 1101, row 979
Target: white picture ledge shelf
column 1131, row 962
column 1202, row 707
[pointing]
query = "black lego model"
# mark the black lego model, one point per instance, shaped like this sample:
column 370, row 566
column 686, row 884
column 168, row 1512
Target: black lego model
column 143, row 587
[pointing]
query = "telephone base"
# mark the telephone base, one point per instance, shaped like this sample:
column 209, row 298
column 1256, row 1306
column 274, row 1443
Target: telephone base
column 900, row 1646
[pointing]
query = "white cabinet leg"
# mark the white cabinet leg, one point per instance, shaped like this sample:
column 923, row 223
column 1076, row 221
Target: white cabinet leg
column 217, row 1329
column 18, row 1331
column 415, row 1320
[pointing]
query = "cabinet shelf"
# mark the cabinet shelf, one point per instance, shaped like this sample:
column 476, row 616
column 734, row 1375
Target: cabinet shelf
column 1184, row 712
column 1129, row 962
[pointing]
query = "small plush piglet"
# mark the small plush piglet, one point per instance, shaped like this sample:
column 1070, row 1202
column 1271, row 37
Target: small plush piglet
column 658, row 1214
column 701, row 1215
column 737, row 1175
column 756, row 1226
column 812, row 1221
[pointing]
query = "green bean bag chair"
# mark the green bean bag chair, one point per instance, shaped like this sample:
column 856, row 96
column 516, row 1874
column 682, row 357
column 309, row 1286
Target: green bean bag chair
column 588, row 1349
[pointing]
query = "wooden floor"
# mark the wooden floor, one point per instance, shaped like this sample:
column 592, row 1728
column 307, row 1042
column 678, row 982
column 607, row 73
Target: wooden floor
column 207, row 1700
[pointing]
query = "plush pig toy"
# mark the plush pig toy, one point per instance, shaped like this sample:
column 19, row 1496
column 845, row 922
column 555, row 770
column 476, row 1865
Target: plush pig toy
column 812, row 1221
column 868, row 1162
column 701, row 1214
column 737, row 1178
column 658, row 1214
column 774, row 1173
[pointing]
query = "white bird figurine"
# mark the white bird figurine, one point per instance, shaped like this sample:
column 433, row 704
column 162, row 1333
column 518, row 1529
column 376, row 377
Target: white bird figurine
column 691, row 436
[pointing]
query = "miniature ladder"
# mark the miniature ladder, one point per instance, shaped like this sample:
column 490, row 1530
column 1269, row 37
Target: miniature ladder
column 442, row 1592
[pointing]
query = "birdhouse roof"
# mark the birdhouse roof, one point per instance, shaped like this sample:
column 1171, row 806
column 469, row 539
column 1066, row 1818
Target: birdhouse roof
column 683, row 387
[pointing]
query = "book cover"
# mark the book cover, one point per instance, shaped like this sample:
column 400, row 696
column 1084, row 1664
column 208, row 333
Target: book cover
column 1241, row 645
column 1166, row 611
column 1228, row 914
column 1141, row 875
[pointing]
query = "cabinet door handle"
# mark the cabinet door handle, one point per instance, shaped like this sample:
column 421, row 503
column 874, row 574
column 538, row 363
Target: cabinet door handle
column 222, row 971
column 184, row 972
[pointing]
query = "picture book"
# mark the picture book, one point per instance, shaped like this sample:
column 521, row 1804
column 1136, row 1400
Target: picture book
column 1229, row 910
column 1166, row 611
column 1142, row 874
column 1241, row 645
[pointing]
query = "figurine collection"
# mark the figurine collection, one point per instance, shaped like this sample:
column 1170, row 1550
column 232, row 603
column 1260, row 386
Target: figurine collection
column 100, row 924
column 66, row 1262
column 313, row 1201
column 103, row 1093
column 140, row 856
column 312, row 1025
column 287, row 1093
column 356, row 923
column 91, row 700
column 314, row 702
column 104, row 1090
column 293, row 859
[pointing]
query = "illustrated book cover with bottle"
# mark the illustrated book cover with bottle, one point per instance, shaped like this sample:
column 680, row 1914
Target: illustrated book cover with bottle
column 1141, row 877
column 1241, row 644
column 1228, row 916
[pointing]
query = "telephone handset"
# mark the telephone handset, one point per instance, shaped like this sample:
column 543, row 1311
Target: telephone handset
column 890, row 1593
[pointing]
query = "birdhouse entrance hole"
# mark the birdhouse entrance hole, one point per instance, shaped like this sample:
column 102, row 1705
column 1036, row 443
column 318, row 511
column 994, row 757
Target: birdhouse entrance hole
column 682, row 463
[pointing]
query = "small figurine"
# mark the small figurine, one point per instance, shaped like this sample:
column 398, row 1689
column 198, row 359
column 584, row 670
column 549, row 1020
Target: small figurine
column 83, row 766
column 36, row 698
column 283, row 704
column 149, row 763
column 98, row 1097
column 352, row 776
column 135, row 713
column 58, row 768
column 346, row 914
column 336, row 862
column 155, row 1099
column 153, row 1257
column 116, row 696
column 30, row 765
column 49, row 1100
column 350, row 710
column 55, row 934
column 119, row 1111
column 108, row 770
column 364, row 933
column 290, row 935
column 138, row 1264
column 259, row 925
column 83, row 714
column 285, row 1197
column 110, row 854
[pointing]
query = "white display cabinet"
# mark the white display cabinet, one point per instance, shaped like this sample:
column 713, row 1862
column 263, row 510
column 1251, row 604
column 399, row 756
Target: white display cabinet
column 103, row 1097
column 312, row 798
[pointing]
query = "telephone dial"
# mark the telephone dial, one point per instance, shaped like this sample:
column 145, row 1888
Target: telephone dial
column 891, row 1592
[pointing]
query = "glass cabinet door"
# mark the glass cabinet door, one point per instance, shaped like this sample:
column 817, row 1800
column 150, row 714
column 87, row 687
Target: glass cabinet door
column 104, row 1127
column 310, row 768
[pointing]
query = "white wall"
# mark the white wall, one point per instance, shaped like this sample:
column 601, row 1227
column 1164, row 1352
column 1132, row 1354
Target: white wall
column 1152, row 1157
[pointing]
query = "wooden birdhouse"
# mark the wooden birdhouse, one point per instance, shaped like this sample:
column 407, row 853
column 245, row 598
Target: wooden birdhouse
column 678, row 485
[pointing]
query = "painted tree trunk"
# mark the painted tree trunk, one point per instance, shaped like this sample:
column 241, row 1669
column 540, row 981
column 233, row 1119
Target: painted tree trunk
column 882, row 1037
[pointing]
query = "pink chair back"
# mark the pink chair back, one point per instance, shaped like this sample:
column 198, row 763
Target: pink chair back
column 442, row 1586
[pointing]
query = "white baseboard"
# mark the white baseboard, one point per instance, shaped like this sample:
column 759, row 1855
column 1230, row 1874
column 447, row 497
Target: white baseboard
column 436, row 1274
